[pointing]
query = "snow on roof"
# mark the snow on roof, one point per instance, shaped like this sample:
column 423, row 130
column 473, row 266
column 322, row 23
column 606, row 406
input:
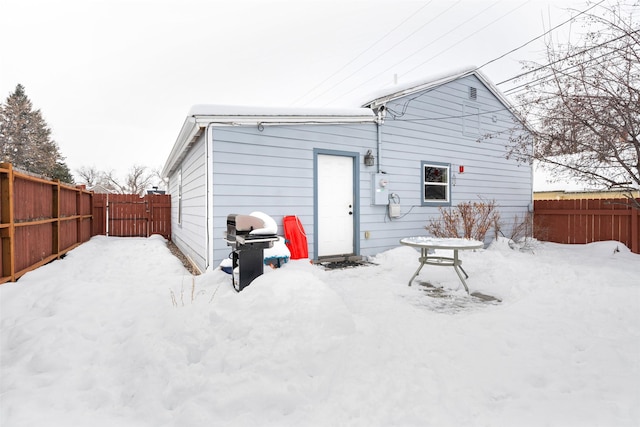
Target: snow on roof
column 256, row 111
column 383, row 95
column 202, row 115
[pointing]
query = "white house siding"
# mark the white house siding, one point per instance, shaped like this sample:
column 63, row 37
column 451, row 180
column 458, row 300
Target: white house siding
column 434, row 128
column 190, row 234
column 272, row 170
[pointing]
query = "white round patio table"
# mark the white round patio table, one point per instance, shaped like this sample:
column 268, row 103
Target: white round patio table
column 428, row 246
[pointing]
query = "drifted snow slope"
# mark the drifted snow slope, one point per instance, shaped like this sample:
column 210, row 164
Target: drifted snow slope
column 118, row 333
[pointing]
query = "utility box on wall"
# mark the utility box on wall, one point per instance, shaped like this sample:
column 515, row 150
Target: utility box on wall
column 380, row 186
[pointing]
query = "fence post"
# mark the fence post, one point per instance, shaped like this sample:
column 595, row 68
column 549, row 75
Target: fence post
column 55, row 233
column 635, row 233
column 7, row 232
column 79, row 214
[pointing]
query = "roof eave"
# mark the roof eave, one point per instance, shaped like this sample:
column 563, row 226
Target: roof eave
column 377, row 102
column 189, row 133
column 194, row 125
column 254, row 120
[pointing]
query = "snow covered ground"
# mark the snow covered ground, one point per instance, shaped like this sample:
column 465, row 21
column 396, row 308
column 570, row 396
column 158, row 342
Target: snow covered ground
column 119, row 334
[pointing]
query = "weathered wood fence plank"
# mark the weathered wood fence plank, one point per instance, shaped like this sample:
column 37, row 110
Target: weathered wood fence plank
column 130, row 215
column 40, row 220
column 587, row 220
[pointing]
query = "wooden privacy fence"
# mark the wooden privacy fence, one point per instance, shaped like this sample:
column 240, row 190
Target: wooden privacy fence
column 586, row 221
column 40, row 220
column 129, row 215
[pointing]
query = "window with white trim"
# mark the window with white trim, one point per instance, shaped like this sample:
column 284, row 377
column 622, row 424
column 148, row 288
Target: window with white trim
column 436, row 183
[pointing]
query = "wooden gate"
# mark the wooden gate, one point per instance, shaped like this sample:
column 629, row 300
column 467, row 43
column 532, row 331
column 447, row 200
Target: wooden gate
column 129, row 215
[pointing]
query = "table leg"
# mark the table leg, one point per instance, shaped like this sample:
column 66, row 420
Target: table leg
column 458, row 268
column 423, row 260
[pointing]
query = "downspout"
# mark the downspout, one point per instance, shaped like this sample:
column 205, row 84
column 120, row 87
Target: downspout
column 209, row 195
column 380, row 114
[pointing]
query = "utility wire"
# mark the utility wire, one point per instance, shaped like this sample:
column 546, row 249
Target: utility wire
column 544, row 78
column 540, row 36
column 565, row 58
column 363, row 52
column 469, row 36
column 424, row 47
column 481, row 66
column 389, row 49
column 541, row 79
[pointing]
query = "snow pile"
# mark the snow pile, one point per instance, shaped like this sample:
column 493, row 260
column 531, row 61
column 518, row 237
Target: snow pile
column 270, row 224
column 118, row 333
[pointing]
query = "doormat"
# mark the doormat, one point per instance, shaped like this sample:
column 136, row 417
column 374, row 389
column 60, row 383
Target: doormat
column 341, row 265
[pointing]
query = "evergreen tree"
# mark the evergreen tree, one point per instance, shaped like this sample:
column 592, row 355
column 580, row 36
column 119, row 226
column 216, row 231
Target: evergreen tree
column 61, row 172
column 25, row 139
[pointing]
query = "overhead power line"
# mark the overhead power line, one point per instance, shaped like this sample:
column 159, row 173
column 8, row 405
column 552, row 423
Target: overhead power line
column 540, row 36
column 477, row 68
column 365, row 51
column 563, row 59
column 407, row 57
column 387, row 50
column 467, row 37
column 546, row 77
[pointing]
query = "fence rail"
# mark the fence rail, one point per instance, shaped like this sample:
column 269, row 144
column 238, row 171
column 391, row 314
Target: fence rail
column 40, row 220
column 587, row 220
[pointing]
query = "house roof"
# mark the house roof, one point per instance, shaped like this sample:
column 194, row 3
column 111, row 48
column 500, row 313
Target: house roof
column 381, row 97
column 201, row 116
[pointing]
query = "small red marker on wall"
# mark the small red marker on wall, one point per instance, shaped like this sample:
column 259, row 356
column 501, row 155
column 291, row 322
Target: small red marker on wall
column 460, row 169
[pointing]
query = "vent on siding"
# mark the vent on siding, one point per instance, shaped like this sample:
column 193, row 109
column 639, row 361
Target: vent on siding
column 473, row 93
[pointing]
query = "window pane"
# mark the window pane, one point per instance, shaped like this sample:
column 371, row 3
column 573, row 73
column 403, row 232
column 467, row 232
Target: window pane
column 435, row 192
column 434, row 174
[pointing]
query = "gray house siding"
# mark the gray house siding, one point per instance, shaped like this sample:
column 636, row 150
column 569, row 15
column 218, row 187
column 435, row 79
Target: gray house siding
column 434, row 127
column 272, row 170
column 189, row 233
column 241, row 164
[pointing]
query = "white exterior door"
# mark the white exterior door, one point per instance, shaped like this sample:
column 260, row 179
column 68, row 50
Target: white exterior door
column 335, row 205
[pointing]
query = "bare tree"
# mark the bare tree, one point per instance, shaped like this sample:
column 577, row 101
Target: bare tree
column 88, row 176
column 136, row 181
column 583, row 105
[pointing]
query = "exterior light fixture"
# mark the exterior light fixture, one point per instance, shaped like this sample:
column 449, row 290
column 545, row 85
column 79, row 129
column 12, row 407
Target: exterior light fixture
column 369, row 160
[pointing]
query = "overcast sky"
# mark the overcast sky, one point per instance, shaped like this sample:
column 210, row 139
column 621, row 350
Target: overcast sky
column 115, row 79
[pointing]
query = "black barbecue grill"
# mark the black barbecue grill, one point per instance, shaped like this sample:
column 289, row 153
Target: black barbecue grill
column 247, row 248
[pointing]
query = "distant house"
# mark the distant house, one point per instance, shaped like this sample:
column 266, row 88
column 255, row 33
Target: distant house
column 101, row 189
column 155, row 190
column 359, row 179
column 585, row 194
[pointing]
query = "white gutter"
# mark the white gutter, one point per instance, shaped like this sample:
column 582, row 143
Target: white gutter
column 188, row 134
column 203, row 116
